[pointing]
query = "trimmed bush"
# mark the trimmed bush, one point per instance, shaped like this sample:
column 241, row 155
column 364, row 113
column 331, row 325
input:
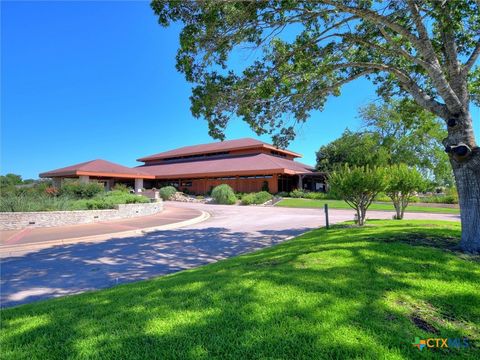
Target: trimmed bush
column 79, row 190
column 256, row 198
column 282, row 194
column 223, row 194
column 167, row 192
column 262, row 197
column 248, row 199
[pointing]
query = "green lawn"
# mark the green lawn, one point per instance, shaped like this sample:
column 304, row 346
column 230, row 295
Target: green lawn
column 342, row 293
column 340, row 204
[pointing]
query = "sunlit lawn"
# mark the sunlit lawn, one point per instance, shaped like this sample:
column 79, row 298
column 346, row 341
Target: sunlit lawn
column 330, row 294
column 340, row 204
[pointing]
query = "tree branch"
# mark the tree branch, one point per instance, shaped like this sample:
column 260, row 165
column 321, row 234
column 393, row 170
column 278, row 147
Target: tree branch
column 473, row 58
column 435, row 71
column 408, row 84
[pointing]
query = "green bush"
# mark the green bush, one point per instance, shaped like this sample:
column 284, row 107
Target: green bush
column 248, row 199
column 262, row 197
column 256, row 198
column 316, row 196
column 79, row 190
column 121, row 197
column 167, row 192
column 31, row 201
column 223, row 194
column 282, row 194
column 382, row 197
column 121, row 187
column 297, row 193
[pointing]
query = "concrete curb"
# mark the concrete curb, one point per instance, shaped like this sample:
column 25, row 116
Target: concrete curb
column 10, row 250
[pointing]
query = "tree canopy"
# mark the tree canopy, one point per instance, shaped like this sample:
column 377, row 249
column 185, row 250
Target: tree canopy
column 355, row 149
column 334, row 42
column 411, row 135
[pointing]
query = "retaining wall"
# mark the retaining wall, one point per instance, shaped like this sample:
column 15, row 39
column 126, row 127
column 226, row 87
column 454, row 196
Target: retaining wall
column 20, row 220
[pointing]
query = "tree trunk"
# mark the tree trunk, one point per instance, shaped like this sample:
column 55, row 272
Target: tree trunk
column 465, row 160
column 359, row 217
column 468, row 186
column 397, row 206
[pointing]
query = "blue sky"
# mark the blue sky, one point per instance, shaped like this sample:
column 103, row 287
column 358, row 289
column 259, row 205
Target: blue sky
column 88, row 80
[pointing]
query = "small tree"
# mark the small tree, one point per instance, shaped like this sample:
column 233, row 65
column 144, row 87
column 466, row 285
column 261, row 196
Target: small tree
column 358, row 186
column 402, row 184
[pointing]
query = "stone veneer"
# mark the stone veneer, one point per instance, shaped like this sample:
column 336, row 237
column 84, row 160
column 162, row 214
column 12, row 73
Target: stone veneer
column 20, row 220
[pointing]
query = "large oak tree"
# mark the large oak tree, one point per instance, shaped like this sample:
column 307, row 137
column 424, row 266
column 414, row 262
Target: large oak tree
column 426, row 50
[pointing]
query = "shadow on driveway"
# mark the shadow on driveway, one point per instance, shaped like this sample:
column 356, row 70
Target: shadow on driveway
column 70, row 269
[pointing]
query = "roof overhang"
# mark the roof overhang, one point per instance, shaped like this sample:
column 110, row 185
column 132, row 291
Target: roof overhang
column 96, row 174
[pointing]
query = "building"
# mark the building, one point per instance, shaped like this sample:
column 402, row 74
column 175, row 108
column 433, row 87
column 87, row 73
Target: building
column 247, row 165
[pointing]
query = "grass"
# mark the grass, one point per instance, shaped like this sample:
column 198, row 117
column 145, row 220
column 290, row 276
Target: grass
column 342, row 293
column 340, row 204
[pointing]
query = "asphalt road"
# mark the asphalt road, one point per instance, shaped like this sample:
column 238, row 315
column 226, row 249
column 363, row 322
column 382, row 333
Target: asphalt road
column 231, row 230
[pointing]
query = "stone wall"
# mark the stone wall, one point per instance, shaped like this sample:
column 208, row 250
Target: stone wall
column 20, row 220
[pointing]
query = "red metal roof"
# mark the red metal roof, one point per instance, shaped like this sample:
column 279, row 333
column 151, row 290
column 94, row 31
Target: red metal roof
column 98, row 168
column 257, row 164
column 237, row 144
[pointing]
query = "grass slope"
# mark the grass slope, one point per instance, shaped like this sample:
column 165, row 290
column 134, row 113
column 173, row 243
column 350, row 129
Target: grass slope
column 336, row 294
column 340, row 204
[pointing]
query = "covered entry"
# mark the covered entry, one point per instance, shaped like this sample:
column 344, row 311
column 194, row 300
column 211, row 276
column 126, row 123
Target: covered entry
column 313, row 181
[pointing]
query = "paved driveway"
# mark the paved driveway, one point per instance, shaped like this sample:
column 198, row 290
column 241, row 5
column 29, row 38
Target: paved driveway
column 231, row 230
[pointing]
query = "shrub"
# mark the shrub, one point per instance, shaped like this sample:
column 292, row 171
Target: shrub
column 282, row 194
column 297, row 193
column 79, row 190
column 262, row 197
column 223, row 194
column 256, row 198
column 315, row 196
column 382, row 197
column 121, row 197
column 121, row 187
column 402, row 183
column 167, row 192
column 358, row 186
column 240, row 195
column 248, row 199
column 33, row 202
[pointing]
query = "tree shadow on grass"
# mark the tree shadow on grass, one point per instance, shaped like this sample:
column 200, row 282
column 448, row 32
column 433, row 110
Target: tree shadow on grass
column 339, row 297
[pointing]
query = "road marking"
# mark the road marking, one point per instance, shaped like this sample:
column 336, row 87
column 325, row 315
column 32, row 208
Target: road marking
column 18, row 236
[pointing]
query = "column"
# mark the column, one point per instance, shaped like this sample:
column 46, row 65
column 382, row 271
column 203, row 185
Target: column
column 84, row 179
column 138, row 185
column 300, row 182
column 57, row 183
column 109, row 184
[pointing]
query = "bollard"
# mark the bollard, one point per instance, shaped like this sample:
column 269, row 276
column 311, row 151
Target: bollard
column 326, row 216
